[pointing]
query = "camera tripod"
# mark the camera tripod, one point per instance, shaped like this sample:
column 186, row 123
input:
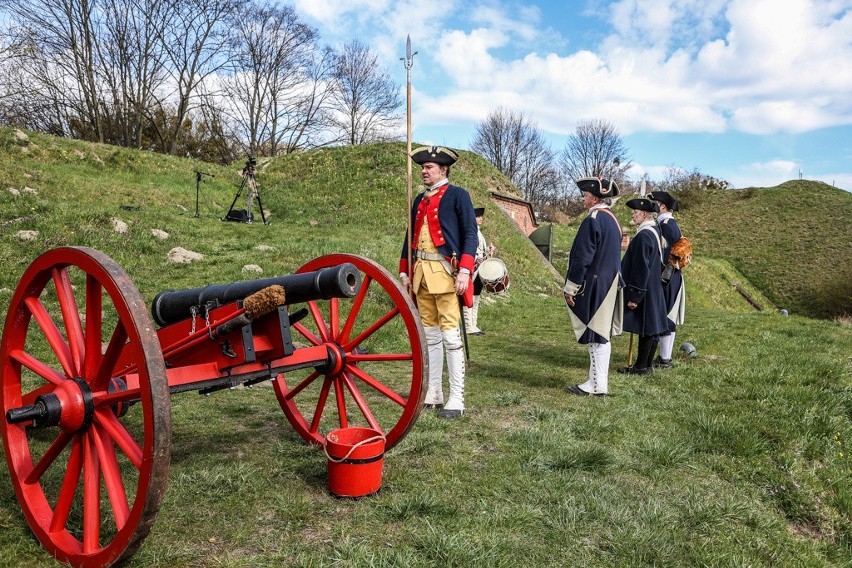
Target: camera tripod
column 198, row 176
column 248, row 183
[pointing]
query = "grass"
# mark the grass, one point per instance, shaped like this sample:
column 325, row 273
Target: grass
column 738, row 457
column 789, row 241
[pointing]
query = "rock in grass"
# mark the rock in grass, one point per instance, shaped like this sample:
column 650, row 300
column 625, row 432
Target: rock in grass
column 119, row 226
column 27, row 235
column 182, row 256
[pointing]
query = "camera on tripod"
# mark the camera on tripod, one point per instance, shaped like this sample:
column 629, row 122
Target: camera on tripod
column 249, row 183
column 250, row 164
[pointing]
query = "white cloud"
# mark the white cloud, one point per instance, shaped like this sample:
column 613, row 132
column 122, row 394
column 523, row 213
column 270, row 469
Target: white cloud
column 764, row 174
column 671, row 66
column 335, row 15
column 777, row 69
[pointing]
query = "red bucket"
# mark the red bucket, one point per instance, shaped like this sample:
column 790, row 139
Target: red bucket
column 354, row 461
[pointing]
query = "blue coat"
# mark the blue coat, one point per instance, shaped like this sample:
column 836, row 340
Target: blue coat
column 458, row 228
column 641, row 268
column 593, row 266
column 671, row 232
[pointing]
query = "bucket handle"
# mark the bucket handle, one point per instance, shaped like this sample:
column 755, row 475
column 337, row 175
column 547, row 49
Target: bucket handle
column 352, row 449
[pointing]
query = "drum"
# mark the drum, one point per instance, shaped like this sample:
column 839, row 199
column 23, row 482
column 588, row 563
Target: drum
column 494, row 276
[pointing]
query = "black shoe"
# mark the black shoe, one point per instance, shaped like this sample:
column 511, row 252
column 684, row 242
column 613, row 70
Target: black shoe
column 575, row 389
column 633, row 370
column 480, row 332
column 445, row 413
column 661, row 363
column 432, row 406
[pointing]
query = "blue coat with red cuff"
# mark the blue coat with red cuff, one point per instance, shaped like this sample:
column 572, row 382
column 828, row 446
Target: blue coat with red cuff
column 452, row 224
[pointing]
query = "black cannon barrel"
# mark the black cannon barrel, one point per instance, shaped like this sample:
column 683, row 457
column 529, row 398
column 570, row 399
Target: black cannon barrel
column 341, row 281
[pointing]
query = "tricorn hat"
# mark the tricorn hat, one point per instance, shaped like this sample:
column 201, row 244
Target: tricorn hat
column 479, row 211
column 643, row 204
column 666, row 199
column 437, row 154
column 597, row 186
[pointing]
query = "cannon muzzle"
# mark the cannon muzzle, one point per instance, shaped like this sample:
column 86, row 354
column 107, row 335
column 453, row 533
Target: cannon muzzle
column 341, row 281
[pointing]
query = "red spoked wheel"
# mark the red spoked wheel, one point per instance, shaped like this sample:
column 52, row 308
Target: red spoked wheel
column 86, row 413
column 376, row 376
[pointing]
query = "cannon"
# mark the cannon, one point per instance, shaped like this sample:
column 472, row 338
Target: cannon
column 86, row 379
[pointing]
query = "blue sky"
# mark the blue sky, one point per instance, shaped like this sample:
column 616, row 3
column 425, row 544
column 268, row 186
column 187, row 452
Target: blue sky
column 756, row 92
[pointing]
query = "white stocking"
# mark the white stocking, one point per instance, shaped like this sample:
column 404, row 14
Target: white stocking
column 667, row 346
column 598, row 382
column 455, row 364
column 435, row 349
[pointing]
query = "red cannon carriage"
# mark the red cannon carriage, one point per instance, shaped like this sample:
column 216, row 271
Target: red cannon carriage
column 87, row 379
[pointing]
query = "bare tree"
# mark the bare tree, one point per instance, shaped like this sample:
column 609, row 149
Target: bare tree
column 689, row 186
column 302, row 119
column 272, row 88
column 62, row 37
column 366, row 100
column 195, row 44
column 26, row 102
column 595, row 149
column 133, row 58
column 516, row 147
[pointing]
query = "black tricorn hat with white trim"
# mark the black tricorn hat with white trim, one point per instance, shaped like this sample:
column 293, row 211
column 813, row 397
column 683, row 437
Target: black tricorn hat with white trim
column 436, row 154
column 597, row 186
column 643, row 204
column 666, row 199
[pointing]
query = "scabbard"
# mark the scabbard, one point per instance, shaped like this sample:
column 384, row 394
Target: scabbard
column 464, row 329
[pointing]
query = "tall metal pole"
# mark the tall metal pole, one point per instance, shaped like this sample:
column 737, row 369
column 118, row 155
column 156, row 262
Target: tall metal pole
column 409, row 61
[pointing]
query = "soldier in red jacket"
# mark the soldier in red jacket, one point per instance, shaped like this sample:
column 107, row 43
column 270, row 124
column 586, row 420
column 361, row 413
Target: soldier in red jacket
column 443, row 248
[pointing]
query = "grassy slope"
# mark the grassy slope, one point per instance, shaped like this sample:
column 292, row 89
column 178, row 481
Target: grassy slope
column 791, row 241
column 735, row 458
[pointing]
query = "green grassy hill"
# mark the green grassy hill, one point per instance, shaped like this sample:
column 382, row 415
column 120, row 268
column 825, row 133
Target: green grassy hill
column 333, row 200
column 738, row 457
column 793, row 242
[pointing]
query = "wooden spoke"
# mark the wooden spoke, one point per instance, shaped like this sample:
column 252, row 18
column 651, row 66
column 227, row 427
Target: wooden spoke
column 89, row 486
column 374, row 339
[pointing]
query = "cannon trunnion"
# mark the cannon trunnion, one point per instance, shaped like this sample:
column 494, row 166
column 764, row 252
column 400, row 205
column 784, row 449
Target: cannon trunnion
column 86, row 379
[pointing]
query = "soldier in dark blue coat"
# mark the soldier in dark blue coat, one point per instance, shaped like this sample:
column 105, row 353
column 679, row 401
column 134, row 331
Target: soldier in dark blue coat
column 674, row 291
column 443, row 248
column 592, row 284
column 645, row 313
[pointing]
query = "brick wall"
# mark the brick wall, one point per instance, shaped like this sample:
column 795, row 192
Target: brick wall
column 519, row 213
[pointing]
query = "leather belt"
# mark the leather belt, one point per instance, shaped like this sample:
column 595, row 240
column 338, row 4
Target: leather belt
column 422, row 254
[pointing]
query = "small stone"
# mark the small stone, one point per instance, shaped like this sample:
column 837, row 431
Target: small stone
column 27, row 235
column 182, row 256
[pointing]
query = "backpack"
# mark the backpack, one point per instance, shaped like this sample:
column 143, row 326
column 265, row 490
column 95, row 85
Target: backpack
column 681, row 253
